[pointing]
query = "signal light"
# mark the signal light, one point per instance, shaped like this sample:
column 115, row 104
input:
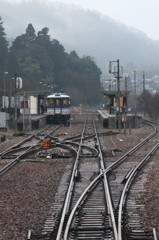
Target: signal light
column 109, row 67
column 105, row 95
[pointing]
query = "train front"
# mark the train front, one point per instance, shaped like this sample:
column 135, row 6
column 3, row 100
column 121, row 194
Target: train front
column 58, row 108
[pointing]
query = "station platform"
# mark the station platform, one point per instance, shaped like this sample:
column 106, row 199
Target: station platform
column 28, row 123
column 110, row 121
column 107, row 120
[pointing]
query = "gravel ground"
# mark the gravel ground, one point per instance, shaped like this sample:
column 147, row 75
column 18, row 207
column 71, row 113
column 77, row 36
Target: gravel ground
column 151, row 201
column 28, row 190
column 27, row 193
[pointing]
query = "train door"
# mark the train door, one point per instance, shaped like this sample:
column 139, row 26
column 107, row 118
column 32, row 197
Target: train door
column 65, row 106
column 58, row 106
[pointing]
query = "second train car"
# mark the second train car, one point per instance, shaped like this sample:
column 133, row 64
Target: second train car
column 58, row 107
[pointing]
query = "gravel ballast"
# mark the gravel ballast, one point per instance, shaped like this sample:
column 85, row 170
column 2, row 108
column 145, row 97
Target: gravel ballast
column 29, row 188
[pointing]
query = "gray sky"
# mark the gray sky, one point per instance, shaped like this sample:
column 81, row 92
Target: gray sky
column 141, row 14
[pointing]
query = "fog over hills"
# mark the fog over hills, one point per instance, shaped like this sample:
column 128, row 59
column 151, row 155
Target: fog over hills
column 87, row 32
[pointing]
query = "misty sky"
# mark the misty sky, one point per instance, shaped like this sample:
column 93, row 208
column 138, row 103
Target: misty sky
column 141, row 14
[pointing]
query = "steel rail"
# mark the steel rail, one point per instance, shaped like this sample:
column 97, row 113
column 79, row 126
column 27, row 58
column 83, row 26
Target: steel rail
column 79, row 202
column 107, row 190
column 54, row 130
column 86, row 137
column 89, row 188
column 150, row 120
column 15, row 150
column 22, row 142
column 17, row 159
column 154, row 234
column 127, row 187
column 83, row 146
column 64, row 146
column 70, row 188
column 133, row 149
column 95, row 181
column 16, row 145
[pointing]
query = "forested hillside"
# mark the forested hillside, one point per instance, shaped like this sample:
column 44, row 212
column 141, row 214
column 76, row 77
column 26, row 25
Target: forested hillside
column 64, row 46
column 88, row 32
column 43, row 64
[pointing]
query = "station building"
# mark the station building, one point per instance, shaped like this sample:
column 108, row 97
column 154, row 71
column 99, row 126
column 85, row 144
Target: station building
column 25, row 110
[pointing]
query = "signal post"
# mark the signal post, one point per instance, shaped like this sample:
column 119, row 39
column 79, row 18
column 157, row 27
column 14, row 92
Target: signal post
column 118, row 73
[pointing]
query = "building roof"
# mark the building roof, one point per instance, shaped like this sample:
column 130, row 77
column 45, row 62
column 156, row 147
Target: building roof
column 113, row 93
column 34, row 93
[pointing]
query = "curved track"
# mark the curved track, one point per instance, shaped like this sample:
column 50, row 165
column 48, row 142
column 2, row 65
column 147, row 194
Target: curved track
column 24, row 148
column 100, row 199
column 129, row 177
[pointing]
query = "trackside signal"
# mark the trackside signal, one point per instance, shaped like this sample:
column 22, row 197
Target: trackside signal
column 45, row 144
column 109, row 67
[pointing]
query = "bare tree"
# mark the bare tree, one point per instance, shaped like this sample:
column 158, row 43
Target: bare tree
column 145, row 104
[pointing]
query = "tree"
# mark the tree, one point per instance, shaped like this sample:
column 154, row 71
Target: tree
column 23, row 41
column 41, row 59
column 74, row 54
column 18, row 44
column 12, row 64
column 84, row 75
column 156, row 105
column 46, row 64
column 43, row 39
column 30, row 35
column 145, row 103
column 57, row 55
column 3, row 50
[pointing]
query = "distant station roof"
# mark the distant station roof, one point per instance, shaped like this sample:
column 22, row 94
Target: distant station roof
column 34, row 93
column 109, row 93
column 113, row 93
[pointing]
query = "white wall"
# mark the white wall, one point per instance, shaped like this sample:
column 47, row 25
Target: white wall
column 3, row 119
column 33, row 105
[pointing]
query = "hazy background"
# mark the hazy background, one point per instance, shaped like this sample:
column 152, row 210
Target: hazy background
column 141, row 14
column 104, row 29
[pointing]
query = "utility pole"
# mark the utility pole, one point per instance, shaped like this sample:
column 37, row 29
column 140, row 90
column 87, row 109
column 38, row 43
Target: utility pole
column 135, row 82
column 15, row 105
column 5, row 91
column 116, row 72
column 135, row 95
column 126, row 86
column 143, row 82
column 144, row 91
column 109, row 85
column 118, row 93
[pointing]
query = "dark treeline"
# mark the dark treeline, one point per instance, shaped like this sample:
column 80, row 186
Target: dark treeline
column 148, row 104
column 43, row 64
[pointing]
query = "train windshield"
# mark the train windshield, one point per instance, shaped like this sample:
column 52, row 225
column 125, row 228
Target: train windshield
column 50, row 102
column 65, row 102
column 57, row 102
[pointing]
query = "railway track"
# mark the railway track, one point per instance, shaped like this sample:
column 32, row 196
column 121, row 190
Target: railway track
column 86, row 154
column 92, row 219
column 130, row 225
column 24, row 148
column 100, row 202
column 118, row 210
column 92, row 212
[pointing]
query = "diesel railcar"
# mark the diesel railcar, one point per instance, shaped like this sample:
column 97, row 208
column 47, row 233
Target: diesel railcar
column 58, row 107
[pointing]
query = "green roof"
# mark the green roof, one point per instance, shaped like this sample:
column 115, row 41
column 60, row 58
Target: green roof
column 113, row 93
column 33, row 92
column 109, row 93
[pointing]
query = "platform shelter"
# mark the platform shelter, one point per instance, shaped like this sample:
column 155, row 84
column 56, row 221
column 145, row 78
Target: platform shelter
column 111, row 115
column 31, row 100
